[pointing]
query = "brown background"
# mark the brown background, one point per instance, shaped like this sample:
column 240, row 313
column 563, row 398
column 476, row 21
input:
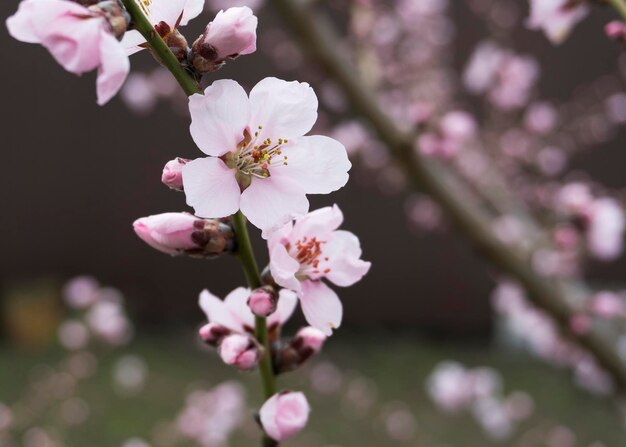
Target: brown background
column 75, row 176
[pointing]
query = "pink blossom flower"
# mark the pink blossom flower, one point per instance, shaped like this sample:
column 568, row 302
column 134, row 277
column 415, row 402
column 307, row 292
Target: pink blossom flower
column 259, row 159
column 178, row 233
column 167, row 11
column 615, row 30
column 556, row 17
column 310, row 338
column 240, row 351
column 78, row 38
column 172, row 176
column 233, row 312
column 505, row 77
column 310, row 249
column 607, row 305
column 605, row 236
column 232, row 33
column 210, row 416
column 284, row 415
column 262, row 302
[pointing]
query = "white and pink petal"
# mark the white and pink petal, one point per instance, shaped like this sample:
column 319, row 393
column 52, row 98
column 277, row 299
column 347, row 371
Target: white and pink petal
column 219, row 117
column 319, row 164
column 271, row 202
column 285, row 109
column 211, row 188
column 321, row 306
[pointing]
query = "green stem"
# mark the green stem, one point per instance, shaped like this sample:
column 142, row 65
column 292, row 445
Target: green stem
column 246, row 256
column 245, row 251
column 620, row 7
column 250, row 268
column 160, row 48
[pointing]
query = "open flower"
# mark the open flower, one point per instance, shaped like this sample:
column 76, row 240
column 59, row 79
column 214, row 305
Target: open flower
column 79, row 38
column 309, row 250
column 173, row 13
column 259, row 159
column 234, row 314
column 556, row 17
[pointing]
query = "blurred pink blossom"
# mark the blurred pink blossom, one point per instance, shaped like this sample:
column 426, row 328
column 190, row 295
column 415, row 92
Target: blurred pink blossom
column 556, row 18
column 284, row 415
column 78, row 38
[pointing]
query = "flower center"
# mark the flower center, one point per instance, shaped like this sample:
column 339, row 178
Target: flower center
column 254, row 157
column 308, row 252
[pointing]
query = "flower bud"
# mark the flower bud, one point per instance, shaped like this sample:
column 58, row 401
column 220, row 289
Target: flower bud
column 284, row 415
column 213, row 333
column 240, row 351
column 231, row 34
column 262, row 301
column 183, row 233
column 172, row 176
column 176, row 42
column 615, row 30
column 307, row 342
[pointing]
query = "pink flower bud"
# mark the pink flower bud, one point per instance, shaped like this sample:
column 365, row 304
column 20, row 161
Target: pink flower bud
column 240, row 351
column 615, row 30
column 458, row 125
column 172, row 176
column 284, row 415
column 262, row 301
column 310, row 338
column 213, row 333
column 607, row 305
column 178, row 233
column 307, row 342
column 231, row 34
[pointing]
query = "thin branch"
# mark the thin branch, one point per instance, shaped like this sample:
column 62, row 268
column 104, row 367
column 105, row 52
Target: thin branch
column 245, row 251
column 620, row 7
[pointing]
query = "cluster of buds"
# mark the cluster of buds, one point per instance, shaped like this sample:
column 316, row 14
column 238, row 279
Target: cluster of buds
column 184, row 233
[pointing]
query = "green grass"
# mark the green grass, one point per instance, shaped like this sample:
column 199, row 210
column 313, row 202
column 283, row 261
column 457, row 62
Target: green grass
column 393, row 369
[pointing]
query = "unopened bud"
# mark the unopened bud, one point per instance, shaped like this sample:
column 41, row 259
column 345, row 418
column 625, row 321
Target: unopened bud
column 240, row 351
column 284, row 415
column 232, row 33
column 213, row 333
column 183, row 233
column 172, row 176
column 117, row 17
column 615, row 30
column 176, row 42
column 262, row 301
column 306, row 343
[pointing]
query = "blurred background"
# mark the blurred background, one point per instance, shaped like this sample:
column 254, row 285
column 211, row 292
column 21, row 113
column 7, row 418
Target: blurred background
column 76, row 176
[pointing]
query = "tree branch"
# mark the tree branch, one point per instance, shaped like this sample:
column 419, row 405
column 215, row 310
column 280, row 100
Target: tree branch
column 320, row 40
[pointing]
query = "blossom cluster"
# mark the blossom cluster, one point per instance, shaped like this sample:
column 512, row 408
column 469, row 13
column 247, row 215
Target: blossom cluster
column 259, row 164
